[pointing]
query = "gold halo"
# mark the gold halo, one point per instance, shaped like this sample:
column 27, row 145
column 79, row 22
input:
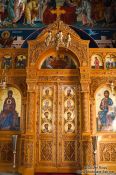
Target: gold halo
column 5, row 32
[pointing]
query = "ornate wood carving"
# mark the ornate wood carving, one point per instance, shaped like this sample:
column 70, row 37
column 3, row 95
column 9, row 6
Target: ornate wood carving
column 69, row 151
column 88, row 159
column 78, row 46
column 107, row 152
column 27, row 153
column 6, row 152
column 46, row 148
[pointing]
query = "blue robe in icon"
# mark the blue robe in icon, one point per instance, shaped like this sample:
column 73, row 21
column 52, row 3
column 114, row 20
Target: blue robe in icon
column 105, row 103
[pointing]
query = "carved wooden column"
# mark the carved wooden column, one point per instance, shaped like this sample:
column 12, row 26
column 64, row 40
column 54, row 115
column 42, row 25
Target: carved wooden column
column 85, row 109
column 31, row 107
column 28, row 139
column 23, row 112
column 92, row 115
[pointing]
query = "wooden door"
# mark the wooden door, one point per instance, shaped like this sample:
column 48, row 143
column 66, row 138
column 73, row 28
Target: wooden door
column 58, row 126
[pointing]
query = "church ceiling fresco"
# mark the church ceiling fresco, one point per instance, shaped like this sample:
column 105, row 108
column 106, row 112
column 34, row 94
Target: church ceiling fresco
column 21, row 18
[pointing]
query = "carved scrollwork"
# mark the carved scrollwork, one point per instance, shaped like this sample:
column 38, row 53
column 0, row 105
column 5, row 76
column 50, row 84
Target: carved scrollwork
column 97, row 82
column 77, row 46
column 107, row 152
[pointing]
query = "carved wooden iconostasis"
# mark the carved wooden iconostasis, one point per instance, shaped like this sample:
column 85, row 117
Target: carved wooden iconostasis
column 62, row 95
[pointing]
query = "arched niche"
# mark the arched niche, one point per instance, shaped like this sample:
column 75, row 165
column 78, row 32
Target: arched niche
column 96, row 62
column 110, row 61
column 10, row 109
column 105, row 107
column 61, row 59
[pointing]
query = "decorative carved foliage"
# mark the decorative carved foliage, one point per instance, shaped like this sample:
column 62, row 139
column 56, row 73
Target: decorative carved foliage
column 46, row 153
column 87, row 153
column 96, row 82
column 107, row 152
column 69, row 151
column 27, row 153
column 78, row 46
column 56, row 78
column 6, row 152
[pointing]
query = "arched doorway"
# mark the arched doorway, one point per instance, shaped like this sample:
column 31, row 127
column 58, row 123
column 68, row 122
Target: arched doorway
column 57, row 80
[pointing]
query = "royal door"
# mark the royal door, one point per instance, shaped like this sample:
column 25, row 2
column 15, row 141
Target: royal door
column 58, row 122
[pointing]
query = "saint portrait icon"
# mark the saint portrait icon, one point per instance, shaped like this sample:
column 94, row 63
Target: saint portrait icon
column 46, row 116
column 69, row 104
column 47, row 91
column 46, row 127
column 69, row 92
column 47, row 104
column 69, row 116
column 69, row 127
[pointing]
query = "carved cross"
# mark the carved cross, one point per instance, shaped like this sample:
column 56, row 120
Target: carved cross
column 58, row 12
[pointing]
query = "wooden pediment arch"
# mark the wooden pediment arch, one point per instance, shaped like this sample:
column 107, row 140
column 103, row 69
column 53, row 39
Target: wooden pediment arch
column 78, row 46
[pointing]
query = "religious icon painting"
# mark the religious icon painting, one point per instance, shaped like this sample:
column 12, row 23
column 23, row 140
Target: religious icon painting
column 69, row 103
column 96, row 62
column 46, row 127
column 47, row 91
column 46, row 104
column 46, row 116
column 7, row 61
column 10, row 109
column 69, row 127
column 59, row 62
column 69, row 92
column 105, row 110
column 110, row 61
column 69, row 116
column 20, row 61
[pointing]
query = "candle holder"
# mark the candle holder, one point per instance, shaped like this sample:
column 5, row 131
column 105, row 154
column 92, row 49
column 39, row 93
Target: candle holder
column 94, row 143
column 14, row 141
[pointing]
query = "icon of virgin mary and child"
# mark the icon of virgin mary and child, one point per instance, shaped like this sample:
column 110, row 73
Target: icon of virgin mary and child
column 9, row 119
column 107, row 114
